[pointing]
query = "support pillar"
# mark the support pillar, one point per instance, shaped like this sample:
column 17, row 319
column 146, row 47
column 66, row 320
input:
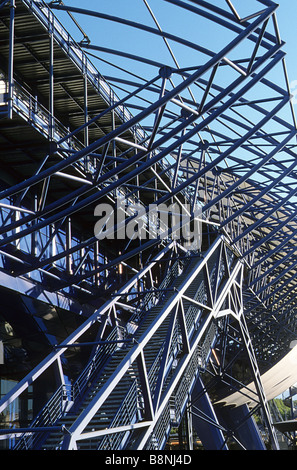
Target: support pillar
column 258, row 382
column 245, row 429
column 205, row 420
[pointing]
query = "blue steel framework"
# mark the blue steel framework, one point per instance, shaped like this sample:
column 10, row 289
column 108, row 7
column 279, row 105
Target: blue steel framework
column 111, row 339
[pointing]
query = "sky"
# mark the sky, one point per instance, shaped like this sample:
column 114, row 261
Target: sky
column 287, row 22
column 105, row 33
column 187, row 25
column 121, row 72
column 184, row 24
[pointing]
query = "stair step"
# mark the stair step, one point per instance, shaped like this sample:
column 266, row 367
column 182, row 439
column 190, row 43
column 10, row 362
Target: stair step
column 104, row 417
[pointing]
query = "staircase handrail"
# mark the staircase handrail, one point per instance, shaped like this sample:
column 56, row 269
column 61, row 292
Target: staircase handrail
column 55, row 355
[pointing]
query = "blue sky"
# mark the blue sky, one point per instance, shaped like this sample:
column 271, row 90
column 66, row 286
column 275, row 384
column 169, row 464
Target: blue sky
column 186, row 25
column 166, row 13
column 287, row 21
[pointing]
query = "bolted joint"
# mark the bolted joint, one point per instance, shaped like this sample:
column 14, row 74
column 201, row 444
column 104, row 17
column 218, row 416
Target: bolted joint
column 185, row 114
column 165, row 71
column 204, row 145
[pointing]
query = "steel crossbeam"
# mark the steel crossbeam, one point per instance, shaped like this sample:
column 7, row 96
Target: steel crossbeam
column 88, row 200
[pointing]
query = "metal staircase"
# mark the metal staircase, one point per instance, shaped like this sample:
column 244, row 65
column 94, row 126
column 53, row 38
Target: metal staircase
column 137, row 385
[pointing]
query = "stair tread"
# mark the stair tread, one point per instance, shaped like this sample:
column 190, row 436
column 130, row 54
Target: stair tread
column 104, row 417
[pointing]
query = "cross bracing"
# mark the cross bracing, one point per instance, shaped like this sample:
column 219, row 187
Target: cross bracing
column 206, row 124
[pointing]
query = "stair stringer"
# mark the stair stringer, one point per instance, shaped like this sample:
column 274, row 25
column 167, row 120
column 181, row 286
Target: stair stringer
column 156, row 334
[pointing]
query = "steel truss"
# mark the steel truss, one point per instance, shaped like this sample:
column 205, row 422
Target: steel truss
column 166, row 354
column 215, row 134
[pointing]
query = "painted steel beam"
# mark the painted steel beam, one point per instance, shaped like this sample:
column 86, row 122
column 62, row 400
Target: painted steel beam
column 157, row 158
column 238, row 176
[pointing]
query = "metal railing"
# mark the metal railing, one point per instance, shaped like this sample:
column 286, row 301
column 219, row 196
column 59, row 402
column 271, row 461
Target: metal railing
column 174, row 409
column 153, row 297
column 129, row 410
column 68, row 395
column 50, row 414
column 127, row 413
column 75, row 53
